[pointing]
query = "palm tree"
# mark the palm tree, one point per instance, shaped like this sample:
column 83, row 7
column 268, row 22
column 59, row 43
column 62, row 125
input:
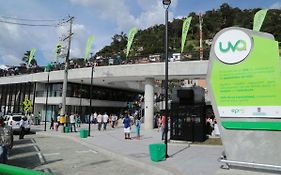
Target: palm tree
column 25, row 59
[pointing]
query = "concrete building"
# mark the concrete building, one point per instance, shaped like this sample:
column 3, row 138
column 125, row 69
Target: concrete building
column 113, row 87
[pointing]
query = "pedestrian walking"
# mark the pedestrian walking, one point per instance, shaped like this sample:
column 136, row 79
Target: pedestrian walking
column 105, row 121
column 23, row 124
column 52, row 123
column 95, row 118
column 138, row 127
column 127, row 127
column 58, row 121
column 163, row 126
column 113, row 120
column 99, row 120
column 91, row 118
column 78, row 121
column 72, row 122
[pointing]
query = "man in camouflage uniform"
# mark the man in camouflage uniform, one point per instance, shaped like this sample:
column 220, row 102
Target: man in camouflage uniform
column 6, row 140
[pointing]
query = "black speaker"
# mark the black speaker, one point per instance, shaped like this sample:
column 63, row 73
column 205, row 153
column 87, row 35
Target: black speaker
column 188, row 95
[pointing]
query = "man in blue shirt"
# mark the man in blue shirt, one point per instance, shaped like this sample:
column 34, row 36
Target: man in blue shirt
column 127, row 128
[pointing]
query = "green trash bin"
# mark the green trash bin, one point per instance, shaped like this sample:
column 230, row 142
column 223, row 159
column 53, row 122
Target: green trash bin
column 83, row 133
column 66, row 129
column 157, row 152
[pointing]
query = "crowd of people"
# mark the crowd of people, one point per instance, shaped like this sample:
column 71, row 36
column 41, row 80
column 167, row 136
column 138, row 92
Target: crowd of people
column 73, row 64
column 101, row 120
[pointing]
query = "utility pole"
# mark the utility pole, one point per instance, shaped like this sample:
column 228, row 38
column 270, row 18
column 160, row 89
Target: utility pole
column 201, row 36
column 64, row 87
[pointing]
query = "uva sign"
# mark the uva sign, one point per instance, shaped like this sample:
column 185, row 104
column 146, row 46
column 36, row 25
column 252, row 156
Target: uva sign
column 232, row 50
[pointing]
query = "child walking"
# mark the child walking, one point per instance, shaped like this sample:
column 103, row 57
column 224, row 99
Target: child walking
column 138, row 126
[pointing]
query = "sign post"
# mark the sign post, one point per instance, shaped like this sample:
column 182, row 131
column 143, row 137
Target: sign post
column 244, row 81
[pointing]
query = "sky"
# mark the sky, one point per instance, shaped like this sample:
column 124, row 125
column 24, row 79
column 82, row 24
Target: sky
column 101, row 18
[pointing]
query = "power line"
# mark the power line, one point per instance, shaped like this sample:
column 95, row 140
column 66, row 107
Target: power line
column 33, row 25
column 25, row 24
column 24, row 19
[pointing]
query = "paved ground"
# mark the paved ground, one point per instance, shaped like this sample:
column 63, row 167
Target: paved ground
column 64, row 156
column 107, row 152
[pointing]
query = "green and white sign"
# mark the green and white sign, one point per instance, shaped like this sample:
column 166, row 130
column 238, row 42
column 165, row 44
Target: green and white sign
column 244, row 84
column 231, row 50
column 246, row 75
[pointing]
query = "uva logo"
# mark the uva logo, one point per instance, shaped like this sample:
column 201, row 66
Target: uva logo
column 232, row 46
column 240, row 45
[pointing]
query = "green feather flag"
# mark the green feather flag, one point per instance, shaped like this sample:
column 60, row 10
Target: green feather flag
column 33, row 50
column 88, row 47
column 258, row 19
column 131, row 36
column 185, row 28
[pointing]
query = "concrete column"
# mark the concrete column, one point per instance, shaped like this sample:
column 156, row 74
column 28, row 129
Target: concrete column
column 148, row 103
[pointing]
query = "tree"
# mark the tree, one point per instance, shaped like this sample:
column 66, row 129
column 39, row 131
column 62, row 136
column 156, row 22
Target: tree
column 151, row 40
column 25, row 59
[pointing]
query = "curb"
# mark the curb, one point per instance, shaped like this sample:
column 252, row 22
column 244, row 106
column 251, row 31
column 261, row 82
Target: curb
column 154, row 169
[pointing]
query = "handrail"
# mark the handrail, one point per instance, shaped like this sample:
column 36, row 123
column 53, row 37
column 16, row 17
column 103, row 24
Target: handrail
column 13, row 170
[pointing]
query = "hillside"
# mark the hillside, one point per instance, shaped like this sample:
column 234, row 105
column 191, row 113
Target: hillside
column 151, row 40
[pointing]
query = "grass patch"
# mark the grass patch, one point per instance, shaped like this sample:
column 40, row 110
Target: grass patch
column 210, row 141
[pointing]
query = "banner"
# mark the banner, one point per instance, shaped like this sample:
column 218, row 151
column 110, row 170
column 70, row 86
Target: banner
column 31, row 55
column 258, row 19
column 185, row 28
column 131, row 36
column 88, row 47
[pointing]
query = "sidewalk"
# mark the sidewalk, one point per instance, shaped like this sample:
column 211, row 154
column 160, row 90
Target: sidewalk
column 184, row 159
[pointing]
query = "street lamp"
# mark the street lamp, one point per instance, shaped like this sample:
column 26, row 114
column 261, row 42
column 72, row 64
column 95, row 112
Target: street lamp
column 46, row 103
column 80, row 106
column 91, row 94
column 166, row 4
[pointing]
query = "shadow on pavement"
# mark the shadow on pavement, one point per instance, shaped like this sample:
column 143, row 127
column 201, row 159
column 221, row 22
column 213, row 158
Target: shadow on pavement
column 26, row 154
column 22, row 150
column 181, row 150
column 28, row 161
column 23, row 141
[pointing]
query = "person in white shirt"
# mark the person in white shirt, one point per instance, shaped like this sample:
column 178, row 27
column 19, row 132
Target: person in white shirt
column 99, row 120
column 23, row 124
column 72, row 122
column 113, row 120
column 91, row 118
column 95, row 117
column 105, row 120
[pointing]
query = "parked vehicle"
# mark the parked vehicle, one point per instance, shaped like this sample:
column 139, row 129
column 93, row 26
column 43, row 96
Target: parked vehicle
column 14, row 121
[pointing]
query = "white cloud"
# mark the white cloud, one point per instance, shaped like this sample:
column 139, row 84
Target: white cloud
column 16, row 39
column 276, row 5
column 118, row 11
column 11, row 44
column 153, row 14
column 112, row 10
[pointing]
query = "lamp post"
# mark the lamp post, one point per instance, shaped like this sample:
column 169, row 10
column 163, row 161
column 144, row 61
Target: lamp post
column 46, row 103
column 91, row 94
column 80, row 105
column 166, row 4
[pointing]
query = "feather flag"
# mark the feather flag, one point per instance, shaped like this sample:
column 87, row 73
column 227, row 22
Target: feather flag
column 131, row 36
column 258, row 19
column 32, row 52
column 185, row 28
column 88, row 47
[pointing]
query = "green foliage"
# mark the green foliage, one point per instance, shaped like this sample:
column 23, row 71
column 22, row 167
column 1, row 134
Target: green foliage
column 151, row 40
column 25, row 59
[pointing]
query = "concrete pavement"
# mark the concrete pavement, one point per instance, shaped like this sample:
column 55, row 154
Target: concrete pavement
column 185, row 159
column 63, row 156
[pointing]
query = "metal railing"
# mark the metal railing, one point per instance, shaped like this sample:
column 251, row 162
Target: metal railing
column 13, row 170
